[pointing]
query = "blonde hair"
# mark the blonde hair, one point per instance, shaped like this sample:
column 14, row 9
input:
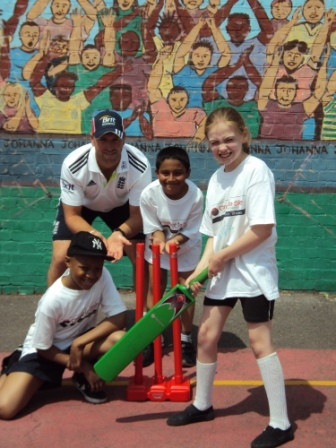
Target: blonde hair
column 21, row 91
column 233, row 116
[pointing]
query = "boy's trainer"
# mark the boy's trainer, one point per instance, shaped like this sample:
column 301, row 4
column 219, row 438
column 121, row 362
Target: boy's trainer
column 81, row 384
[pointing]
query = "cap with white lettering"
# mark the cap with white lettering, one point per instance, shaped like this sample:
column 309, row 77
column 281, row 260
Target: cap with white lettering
column 105, row 121
column 86, row 244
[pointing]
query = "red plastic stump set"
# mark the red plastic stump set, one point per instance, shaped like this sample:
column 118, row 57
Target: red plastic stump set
column 158, row 387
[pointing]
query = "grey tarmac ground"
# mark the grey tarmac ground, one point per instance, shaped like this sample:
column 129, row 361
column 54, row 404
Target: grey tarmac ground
column 302, row 320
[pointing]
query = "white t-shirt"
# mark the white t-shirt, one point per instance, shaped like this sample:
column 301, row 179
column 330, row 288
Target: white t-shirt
column 63, row 314
column 83, row 183
column 172, row 217
column 236, row 201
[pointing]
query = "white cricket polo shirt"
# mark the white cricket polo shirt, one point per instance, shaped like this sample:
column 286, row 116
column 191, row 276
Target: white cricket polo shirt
column 83, row 183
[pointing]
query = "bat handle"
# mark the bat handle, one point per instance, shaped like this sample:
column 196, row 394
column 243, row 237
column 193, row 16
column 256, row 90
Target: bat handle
column 201, row 277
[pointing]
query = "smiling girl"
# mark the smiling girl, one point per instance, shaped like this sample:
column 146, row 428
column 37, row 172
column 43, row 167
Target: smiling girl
column 239, row 221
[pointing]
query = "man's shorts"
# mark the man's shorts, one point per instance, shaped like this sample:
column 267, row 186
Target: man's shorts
column 113, row 219
column 255, row 309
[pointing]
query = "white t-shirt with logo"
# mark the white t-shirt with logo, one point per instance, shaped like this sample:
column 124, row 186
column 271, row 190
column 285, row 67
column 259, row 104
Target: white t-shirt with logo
column 63, row 314
column 172, row 217
column 236, row 201
column 83, row 183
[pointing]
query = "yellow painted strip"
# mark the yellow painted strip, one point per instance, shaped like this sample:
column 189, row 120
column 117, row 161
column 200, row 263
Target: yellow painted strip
column 327, row 383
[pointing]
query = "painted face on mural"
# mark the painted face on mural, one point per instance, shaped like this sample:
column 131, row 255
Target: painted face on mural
column 12, row 95
column 125, row 5
column 238, row 28
column 313, row 11
column 285, row 93
column 281, row 9
column 192, row 4
column 60, row 9
column 64, row 87
column 91, row 58
column 59, row 46
column 129, row 43
column 120, row 96
column 169, row 32
column 178, row 102
column 29, row 36
column 293, row 58
column 200, row 58
column 237, row 88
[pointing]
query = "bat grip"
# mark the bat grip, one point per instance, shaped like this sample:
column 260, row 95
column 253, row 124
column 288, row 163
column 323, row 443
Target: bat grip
column 201, row 277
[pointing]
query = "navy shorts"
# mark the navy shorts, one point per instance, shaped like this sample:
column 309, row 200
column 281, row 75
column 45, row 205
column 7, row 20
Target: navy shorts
column 255, row 309
column 48, row 371
column 113, row 219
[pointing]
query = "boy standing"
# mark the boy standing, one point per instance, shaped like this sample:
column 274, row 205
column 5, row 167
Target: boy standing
column 171, row 209
column 64, row 334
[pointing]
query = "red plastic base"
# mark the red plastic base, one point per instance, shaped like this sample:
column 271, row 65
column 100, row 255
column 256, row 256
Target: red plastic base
column 167, row 390
column 180, row 391
column 157, row 392
column 138, row 392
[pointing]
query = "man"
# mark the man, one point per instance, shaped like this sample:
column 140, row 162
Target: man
column 277, row 115
column 103, row 178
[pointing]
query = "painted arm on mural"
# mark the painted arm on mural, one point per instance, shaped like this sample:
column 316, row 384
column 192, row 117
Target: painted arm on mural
column 10, row 25
column 145, row 125
column 154, row 16
column 209, row 88
column 109, row 38
column 281, row 35
column 265, row 24
column 222, row 45
column 155, row 77
column 268, row 81
column 189, row 40
column 5, row 63
column 150, row 50
column 316, row 98
column 322, row 36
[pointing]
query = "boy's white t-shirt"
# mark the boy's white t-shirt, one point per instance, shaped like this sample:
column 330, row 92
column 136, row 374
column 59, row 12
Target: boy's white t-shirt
column 63, row 314
column 236, row 201
column 172, row 217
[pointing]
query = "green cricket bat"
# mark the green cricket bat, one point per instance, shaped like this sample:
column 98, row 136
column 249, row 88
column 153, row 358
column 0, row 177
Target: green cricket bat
column 143, row 332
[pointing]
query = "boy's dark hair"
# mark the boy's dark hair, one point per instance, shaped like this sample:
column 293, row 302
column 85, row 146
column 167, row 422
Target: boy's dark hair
column 173, row 152
column 300, row 45
column 178, row 89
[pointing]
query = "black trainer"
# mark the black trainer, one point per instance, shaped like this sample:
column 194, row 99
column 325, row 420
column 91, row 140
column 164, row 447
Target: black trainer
column 191, row 415
column 273, row 437
column 81, row 384
column 188, row 354
column 148, row 355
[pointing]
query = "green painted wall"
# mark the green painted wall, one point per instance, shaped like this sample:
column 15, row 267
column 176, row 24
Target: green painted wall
column 306, row 248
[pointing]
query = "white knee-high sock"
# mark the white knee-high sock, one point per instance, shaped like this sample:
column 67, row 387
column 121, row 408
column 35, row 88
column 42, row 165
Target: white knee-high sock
column 272, row 376
column 205, row 374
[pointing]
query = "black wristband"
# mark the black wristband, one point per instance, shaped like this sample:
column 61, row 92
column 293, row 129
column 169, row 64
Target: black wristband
column 118, row 229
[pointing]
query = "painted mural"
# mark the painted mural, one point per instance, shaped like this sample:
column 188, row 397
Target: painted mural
column 164, row 65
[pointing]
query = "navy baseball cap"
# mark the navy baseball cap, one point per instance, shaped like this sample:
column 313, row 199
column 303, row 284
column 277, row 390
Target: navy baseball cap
column 105, row 121
column 84, row 243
